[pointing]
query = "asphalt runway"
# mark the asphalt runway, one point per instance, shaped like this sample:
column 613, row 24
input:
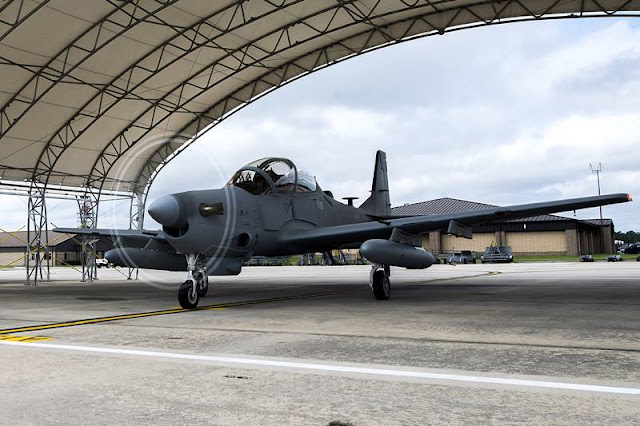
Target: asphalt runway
column 555, row 343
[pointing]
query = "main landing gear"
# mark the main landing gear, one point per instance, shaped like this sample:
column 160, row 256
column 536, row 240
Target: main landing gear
column 195, row 286
column 379, row 281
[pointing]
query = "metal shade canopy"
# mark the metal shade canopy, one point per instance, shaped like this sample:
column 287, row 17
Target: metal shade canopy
column 97, row 96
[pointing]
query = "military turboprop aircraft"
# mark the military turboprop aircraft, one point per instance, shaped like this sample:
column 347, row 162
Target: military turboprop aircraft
column 272, row 208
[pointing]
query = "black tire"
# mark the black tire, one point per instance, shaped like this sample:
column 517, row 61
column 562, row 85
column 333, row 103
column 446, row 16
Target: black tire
column 381, row 285
column 474, row 261
column 464, row 261
column 187, row 299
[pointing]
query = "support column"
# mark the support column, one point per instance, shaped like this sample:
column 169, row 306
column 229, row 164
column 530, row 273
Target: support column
column 572, row 242
column 88, row 218
column 136, row 220
column 435, row 242
column 37, row 237
column 608, row 240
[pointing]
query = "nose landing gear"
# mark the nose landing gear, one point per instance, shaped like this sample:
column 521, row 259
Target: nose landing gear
column 379, row 281
column 195, row 286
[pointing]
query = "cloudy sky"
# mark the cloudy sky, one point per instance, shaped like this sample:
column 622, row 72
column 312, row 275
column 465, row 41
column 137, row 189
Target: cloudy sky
column 501, row 115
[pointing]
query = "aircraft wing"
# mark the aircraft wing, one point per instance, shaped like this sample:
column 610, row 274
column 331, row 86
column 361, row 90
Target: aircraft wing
column 335, row 236
column 143, row 235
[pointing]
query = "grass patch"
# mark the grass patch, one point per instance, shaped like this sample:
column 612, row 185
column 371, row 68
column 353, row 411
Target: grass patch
column 559, row 258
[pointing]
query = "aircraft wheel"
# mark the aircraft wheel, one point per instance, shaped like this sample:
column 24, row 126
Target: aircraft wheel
column 381, row 286
column 187, row 297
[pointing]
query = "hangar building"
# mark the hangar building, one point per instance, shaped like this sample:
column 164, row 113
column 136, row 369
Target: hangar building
column 538, row 235
column 63, row 249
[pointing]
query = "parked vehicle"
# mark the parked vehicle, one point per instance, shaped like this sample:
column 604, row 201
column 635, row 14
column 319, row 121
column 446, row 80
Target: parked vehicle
column 496, row 254
column 614, row 258
column 633, row 249
column 586, row 258
column 464, row 256
column 102, row 262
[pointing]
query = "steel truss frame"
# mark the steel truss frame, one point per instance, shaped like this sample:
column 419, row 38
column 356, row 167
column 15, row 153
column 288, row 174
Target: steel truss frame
column 37, row 255
column 136, row 221
column 37, row 252
column 88, row 218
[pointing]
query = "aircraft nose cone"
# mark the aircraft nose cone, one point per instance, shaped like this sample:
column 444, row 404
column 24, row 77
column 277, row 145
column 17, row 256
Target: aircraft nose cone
column 166, row 211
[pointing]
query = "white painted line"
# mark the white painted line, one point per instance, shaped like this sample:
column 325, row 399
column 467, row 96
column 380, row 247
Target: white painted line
column 337, row 368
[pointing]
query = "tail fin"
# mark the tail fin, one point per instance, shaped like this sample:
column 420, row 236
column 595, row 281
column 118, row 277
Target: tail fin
column 379, row 204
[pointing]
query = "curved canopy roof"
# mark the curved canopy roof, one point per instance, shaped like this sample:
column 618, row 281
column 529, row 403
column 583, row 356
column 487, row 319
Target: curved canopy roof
column 103, row 93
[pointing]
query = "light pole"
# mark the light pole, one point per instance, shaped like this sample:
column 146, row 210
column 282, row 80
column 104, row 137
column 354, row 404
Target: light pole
column 597, row 171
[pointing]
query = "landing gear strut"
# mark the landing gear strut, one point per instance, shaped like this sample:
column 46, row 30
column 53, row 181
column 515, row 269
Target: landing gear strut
column 195, row 286
column 379, row 281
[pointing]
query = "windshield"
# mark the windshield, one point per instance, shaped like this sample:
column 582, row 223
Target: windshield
column 263, row 176
column 306, row 182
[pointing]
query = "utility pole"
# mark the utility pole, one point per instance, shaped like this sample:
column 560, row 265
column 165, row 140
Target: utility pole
column 597, row 171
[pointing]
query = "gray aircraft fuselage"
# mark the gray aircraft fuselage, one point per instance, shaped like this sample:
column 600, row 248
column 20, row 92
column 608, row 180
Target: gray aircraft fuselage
column 254, row 224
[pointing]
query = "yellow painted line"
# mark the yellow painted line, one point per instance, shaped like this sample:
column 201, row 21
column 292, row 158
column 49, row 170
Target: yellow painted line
column 24, row 339
column 218, row 306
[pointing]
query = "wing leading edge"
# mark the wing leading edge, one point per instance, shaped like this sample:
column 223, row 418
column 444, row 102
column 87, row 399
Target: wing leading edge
column 336, row 236
column 131, row 234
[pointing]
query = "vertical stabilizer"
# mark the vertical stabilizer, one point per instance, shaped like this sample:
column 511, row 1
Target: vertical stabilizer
column 379, row 204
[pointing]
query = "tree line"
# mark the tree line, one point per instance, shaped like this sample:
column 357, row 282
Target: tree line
column 628, row 237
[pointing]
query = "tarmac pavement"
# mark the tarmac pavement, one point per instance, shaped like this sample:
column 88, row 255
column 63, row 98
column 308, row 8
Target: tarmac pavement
column 552, row 343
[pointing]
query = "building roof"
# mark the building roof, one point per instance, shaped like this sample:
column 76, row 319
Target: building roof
column 19, row 239
column 453, row 205
column 605, row 222
column 103, row 94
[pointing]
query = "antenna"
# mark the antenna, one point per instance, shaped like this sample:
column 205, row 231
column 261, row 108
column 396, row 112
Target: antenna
column 597, row 170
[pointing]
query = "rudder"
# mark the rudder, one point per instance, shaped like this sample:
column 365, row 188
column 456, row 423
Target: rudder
column 379, row 203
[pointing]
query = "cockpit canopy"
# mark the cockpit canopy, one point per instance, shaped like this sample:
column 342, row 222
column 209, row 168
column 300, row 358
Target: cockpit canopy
column 273, row 175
